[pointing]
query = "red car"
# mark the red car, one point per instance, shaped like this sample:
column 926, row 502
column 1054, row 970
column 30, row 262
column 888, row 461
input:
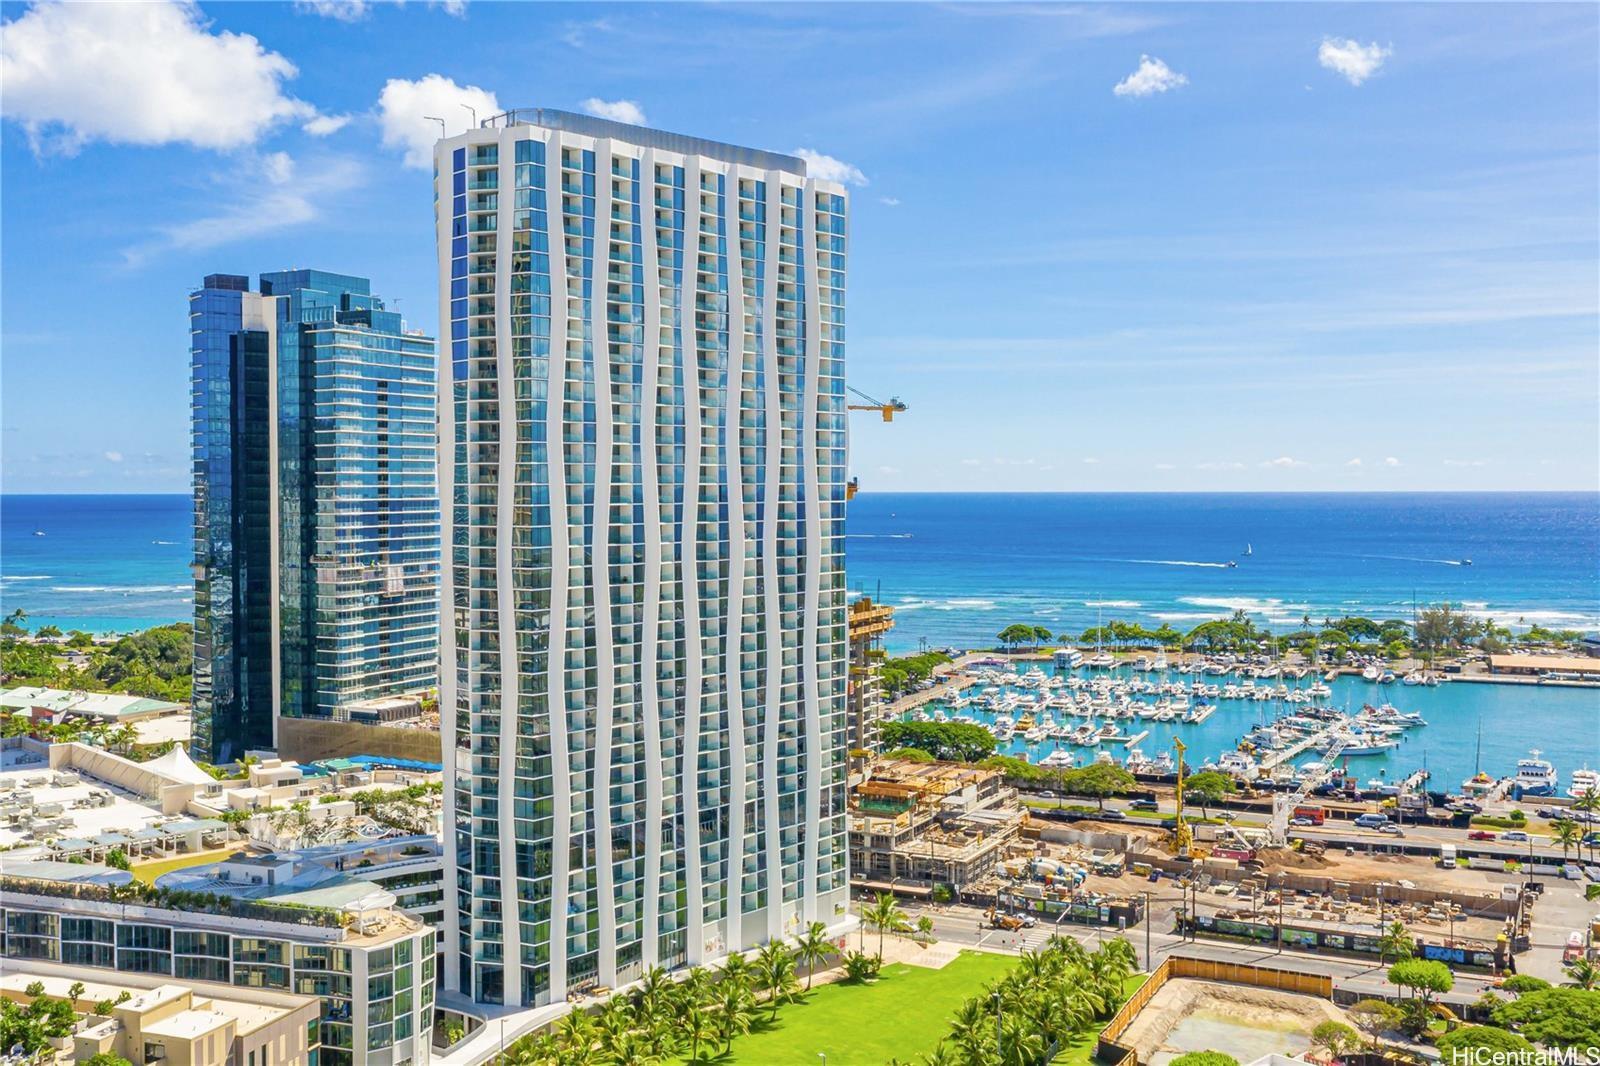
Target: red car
column 1480, row 834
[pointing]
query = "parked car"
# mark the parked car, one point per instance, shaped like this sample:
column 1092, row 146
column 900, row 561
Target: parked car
column 1480, row 834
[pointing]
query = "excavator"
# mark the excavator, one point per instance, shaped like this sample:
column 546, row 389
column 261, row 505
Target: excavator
column 887, row 410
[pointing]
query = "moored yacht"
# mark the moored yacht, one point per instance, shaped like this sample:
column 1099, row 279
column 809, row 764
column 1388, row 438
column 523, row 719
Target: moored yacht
column 1584, row 781
column 1535, row 777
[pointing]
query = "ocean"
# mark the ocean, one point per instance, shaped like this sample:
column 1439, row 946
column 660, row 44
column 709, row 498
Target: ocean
column 101, row 563
column 958, row 568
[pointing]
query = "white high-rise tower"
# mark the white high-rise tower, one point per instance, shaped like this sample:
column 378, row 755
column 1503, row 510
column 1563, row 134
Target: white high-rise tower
column 642, row 454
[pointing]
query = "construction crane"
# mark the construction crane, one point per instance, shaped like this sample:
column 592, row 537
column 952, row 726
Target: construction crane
column 886, row 409
column 1283, row 806
column 1180, row 828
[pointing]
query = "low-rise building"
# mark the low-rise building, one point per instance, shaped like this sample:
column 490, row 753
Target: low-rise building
column 193, row 1024
column 262, row 922
column 930, row 823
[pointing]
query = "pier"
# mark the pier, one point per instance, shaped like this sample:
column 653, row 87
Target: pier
column 1273, row 760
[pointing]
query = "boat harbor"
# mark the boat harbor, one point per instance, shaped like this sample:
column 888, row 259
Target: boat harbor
column 1270, row 724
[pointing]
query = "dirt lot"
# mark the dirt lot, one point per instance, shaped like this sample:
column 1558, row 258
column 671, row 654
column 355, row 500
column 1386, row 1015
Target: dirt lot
column 1188, row 1015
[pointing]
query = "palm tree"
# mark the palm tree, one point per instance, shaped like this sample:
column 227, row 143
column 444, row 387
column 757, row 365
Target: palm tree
column 732, row 1006
column 1397, row 942
column 735, row 969
column 699, row 1024
column 1020, row 1043
column 635, row 1050
column 613, row 1022
column 973, row 1029
column 1589, row 802
column 943, row 1054
column 775, row 970
column 577, row 1032
column 1565, row 832
column 812, row 948
column 651, row 996
column 1583, row 974
column 885, row 915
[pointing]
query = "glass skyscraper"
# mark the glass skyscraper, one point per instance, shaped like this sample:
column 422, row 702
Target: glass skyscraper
column 317, row 522
column 643, row 453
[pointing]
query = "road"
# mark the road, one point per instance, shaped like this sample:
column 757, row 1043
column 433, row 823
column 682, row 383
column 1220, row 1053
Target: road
column 965, row 926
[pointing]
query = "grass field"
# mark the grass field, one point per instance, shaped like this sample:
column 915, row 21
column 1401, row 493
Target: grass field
column 903, row 1015
column 149, row 871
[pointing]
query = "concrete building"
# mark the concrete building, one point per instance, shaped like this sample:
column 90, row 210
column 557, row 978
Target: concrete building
column 643, row 430
column 916, row 825
column 260, row 922
column 192, row 1024
column 316, row 521
column 869, row 622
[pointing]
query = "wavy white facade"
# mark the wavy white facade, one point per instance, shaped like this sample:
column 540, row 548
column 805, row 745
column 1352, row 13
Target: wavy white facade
column 643, row 456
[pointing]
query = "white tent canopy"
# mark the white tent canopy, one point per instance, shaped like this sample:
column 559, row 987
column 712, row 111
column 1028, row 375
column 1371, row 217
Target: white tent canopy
column 177, row 766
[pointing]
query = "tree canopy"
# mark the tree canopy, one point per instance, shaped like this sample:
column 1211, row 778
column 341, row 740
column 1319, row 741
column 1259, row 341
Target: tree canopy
column 1559, row 1017
column 953, row 741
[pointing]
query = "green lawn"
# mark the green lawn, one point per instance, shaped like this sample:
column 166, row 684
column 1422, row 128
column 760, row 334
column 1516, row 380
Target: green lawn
column 903, row 1015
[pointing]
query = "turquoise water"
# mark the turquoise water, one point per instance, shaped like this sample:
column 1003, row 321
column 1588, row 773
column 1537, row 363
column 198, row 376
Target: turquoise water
column 103, row 563
column 961, row 567
column 1563, row 722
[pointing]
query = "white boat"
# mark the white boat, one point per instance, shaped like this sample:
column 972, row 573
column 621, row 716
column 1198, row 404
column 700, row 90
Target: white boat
column 1371, row 673
column 1068, row 659
column 1162, row 763
column 1237, row 763
column 1058, row 759
column 1534, row 777
column 1104, row 661
column 1584, row 781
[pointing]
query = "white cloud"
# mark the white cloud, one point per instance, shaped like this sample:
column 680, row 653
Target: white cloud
column 627, row 111
column 323, row 125
column 146, row 73
column 889, row 201
column 1090, row 461
column 826, row 168
column 403, row 106
column 1354, row 462
column 356, row 10
column 342, row 10
column 1153, row 76
column 265, row 201
column 1166, row 466
column 113, row 457
column 1391, row 461
column 1355, row 61
column 1284, row 462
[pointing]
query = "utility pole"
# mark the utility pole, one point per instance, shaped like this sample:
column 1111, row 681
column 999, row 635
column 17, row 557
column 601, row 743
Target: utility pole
column 999, row 1032
column 1149, row 960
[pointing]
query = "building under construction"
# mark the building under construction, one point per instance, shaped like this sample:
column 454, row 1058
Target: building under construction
column 914, row 825
column 866, row 701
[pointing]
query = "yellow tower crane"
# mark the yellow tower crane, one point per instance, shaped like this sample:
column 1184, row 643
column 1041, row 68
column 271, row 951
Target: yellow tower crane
column 1180, row 828
column 887, row 410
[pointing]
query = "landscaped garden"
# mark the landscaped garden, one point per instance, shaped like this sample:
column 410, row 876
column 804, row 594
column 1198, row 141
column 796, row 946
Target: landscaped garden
column 757, row 1012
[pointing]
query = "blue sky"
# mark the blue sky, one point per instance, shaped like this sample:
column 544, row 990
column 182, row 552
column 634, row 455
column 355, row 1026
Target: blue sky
column 1303, row 247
